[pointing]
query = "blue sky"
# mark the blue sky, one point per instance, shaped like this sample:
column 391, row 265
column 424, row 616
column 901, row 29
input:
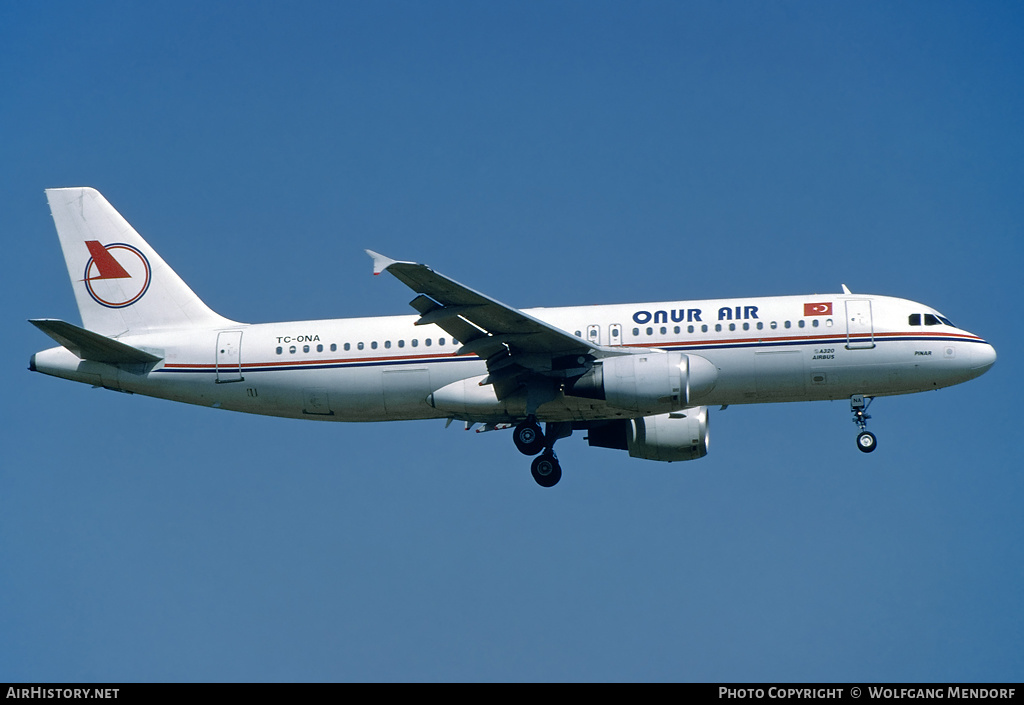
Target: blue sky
column 548, row 154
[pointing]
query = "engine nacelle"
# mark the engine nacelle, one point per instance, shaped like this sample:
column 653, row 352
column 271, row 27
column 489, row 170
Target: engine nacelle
column 648, row 383
column 682, row 435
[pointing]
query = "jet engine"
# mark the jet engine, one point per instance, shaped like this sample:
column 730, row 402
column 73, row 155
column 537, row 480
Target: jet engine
column 682, row 435
column 647, row 383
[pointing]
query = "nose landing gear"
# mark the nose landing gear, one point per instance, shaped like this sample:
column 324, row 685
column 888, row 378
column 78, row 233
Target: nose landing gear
column 866, row 441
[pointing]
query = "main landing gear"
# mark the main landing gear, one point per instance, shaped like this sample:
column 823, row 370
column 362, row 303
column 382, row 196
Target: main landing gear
column 530, row 440
column 866, row 441
column 545, row 469
column 528, row 437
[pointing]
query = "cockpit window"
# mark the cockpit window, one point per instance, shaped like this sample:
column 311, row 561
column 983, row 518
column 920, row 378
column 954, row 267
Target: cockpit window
column 930, row 319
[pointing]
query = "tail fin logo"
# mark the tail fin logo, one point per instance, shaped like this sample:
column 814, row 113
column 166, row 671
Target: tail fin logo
column 116, row 275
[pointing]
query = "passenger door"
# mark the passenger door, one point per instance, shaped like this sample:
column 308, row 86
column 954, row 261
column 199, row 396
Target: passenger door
column 860, row 334
column 229, row 356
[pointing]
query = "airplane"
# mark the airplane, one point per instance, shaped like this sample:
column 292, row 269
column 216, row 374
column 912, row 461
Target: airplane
column 635, row 377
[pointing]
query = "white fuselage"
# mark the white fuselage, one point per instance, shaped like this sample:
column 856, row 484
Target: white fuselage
column 774, row 349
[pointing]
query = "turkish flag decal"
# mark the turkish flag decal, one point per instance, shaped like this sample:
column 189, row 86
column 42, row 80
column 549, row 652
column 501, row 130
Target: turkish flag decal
column 818, row 309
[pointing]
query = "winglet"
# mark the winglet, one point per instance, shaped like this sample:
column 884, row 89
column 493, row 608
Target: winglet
column 380, row 262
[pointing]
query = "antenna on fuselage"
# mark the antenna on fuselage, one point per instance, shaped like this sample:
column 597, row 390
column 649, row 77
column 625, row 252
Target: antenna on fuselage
column 845, row 290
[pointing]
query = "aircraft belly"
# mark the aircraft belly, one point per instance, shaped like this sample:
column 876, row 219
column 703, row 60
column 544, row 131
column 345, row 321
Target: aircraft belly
column 779, row 374
column 405, row 391
column 802, row 373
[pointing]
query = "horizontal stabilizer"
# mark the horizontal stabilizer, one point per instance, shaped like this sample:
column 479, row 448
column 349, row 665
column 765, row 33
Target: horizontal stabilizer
column 92, row 346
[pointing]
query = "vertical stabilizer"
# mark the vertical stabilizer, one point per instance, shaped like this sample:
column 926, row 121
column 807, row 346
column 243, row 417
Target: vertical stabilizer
column 121, row 284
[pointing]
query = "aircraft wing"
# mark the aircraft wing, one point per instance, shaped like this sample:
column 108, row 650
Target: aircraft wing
column 513, row 342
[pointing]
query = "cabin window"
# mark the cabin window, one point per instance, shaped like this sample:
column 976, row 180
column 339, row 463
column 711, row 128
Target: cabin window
column 305, row 348
column 787, row 324
column 774, row 325
column 578, row 334
column 760, row 325
column 650, row 331
column 280, row 350
column 732, row 326
column 676, row 329
column 415, row 342
column 615, row 331
column 440, row 341
column 387, row 343
column 801, row 323
column 746, row 326
column 319, row 348
column 334, row 347
column 292, row 350
column 401, row 343
column 815, row 323
column 373, row 345
column 664, row 330
column 348, row 346
column 427, row 342
column 636, row 331
column 915, row 319
column 689, row 329
column 359, row 345
column 704, row 328
column 718, row 327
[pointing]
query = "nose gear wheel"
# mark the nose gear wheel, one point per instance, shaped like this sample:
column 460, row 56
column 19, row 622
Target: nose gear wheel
column 866, row 441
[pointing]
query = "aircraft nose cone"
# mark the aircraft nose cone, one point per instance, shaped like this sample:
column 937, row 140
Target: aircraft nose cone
column 982, row 357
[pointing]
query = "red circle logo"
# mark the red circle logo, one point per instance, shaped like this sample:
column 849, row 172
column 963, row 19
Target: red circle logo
column 117, row 275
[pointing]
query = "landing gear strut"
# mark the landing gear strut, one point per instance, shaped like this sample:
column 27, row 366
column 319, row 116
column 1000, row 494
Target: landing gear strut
column 530, row 440
column 866, row 441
